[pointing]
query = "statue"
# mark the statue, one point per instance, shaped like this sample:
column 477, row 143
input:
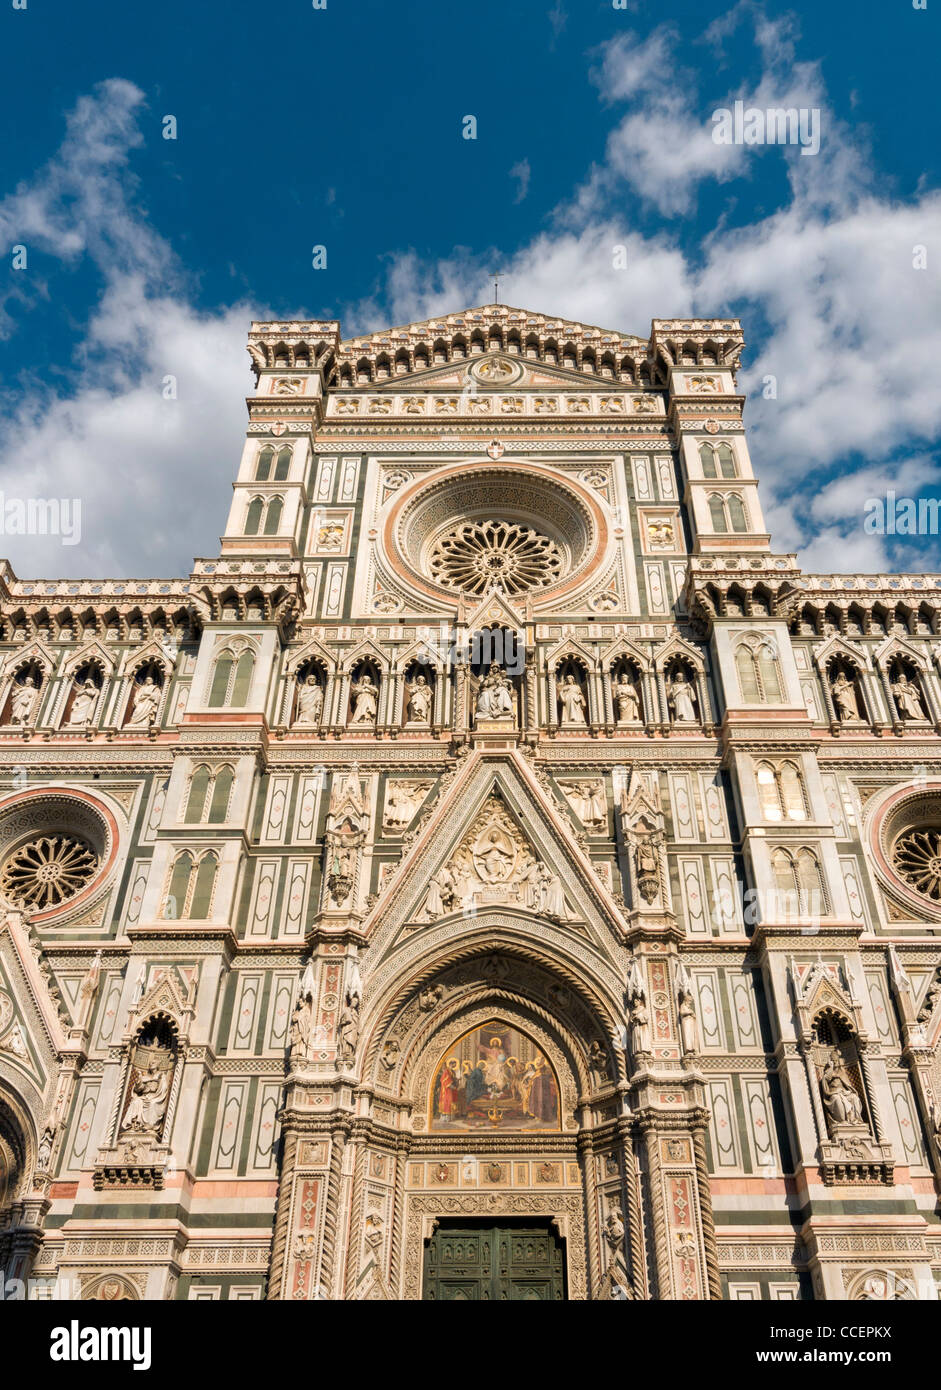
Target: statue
column 365, row 701
column 418, row 708
column 841, row 1099
column 441, row 894
column 148, row 1102
column 309, row 702
column 24, row 700
column 340, row 875
column 647, row 865
column 637, row 1015
column 686, row 1012
column 550, row 900
column 682, row 699
column 146, row 704
column 598, row 1060
column 495, row 695
column 84, row 703
column 844, row 697
column 907, row 698
column 44, row 1154
column 301, row 1027
column 627, row 701
column 572, row 701
column 348, row 1028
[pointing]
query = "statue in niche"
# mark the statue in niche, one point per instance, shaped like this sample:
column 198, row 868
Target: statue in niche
column 84, row 703
column 365, row 701
column 309, row 702
column 572, row 701
column 907, row 698
column 647, row 864
column 841, row 1099
column 341, row 872
column 549, row 898
column 23, row 701
column 150, row 1090
column 147, row 697
column 637, row 1015
column 418, row 707
column 682, row 699
column 348, row 1028
column 845, row 698
column 495, row 695
column 626, row 700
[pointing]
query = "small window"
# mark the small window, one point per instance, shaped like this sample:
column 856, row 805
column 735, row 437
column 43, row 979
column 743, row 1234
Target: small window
column 243, row 678
column 717, row 514
column 726, row 461
column 283, row 465
column 253, row 516
column 221, row 678
column 737, row 513
column 221, row 795
column 263, row 467
column 707, row 458
column 273, row 516
column 199, row 789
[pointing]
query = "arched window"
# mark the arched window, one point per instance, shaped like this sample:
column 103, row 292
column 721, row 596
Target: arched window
column 174, row 902
column 273, row 516
column 780, row 792
column 253, row 516
column 707, row 458
column 199, row 790
column 283, row 464
column 263, row 466
column 205, row 880
column 799, row 883
column 737, row 513
column 231, row 679
column 244, row 669
column 221, row 795
column 221, row 680
column 717, row 514
column 190, row 889
column 785, row 883
column 759, row 674
column 726, row 461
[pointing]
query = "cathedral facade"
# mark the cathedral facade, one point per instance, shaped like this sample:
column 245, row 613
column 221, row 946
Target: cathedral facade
column 496, row 874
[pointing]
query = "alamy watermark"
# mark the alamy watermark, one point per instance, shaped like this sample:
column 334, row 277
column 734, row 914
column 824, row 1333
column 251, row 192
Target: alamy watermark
column 771, row 125
column 42, row 516
column 901, row 516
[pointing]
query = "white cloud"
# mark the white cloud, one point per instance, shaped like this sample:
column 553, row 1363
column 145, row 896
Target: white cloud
column 152, row 474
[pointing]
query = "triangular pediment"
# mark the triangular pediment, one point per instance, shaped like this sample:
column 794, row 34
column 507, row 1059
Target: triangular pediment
column 496, row 842
column 484, row 316
column 495, row 610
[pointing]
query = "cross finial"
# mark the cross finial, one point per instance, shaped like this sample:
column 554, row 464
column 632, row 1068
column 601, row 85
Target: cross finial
column 496, row 286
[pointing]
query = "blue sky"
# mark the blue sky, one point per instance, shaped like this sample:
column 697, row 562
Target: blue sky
column 343, row 127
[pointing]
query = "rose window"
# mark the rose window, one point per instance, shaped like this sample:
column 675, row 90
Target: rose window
column 478, row 554
column 916, row 856
column 48, row 870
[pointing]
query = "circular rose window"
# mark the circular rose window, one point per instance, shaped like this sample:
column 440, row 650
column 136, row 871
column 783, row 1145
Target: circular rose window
column 56, row 848
column 48, row 870
column 477, row 554
column 916, row 857
column 472, row 529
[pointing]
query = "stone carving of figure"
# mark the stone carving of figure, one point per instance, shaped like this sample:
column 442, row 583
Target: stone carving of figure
column 572, row 701
column 341, row 873
column 44, row 1154
column 495, row 696
column 301, row 1028
column 844, row 697
column 638, row 1017
column 588, row 802
column 146, row 704
column 418, row 708
column 550, row 898
column 441, row 895
column 627, row 701
column 348, row 1028
column 682, row 699
column 841, row 1099
column 398, row 811
column 148, row 1101
column 598, row 1060
column 907, row 698
column 23, row 703
column 686, row 1012
column 84, row 703
column 309, row 702
column 647, row 863
column 365, row 701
